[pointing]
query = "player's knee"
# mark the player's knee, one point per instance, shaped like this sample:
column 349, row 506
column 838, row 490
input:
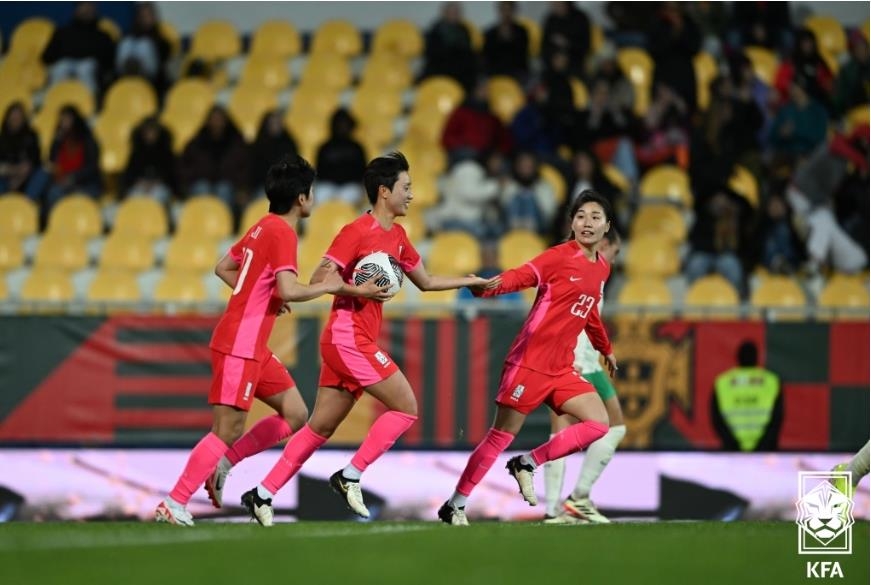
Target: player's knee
column 323, row 429
column 296, row 418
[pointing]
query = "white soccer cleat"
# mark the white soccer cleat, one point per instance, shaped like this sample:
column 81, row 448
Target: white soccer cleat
column 522, row 473
column 215, row 482
column 259, row 508
column 350, row 490
column 583, row 509
column 563, row 520
column 452, row 515
column 171, row 512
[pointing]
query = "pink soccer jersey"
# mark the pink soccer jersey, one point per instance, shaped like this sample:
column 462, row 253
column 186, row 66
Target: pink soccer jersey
column 354, row 321
column 569, row 289
column 265, row 250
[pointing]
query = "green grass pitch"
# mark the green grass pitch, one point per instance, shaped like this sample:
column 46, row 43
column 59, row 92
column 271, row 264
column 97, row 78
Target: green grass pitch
column 412, row 553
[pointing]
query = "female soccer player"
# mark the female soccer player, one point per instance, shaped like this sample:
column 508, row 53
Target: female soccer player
column 578, row 508
column 261, row 269
column 570, row 278
column 352, row 361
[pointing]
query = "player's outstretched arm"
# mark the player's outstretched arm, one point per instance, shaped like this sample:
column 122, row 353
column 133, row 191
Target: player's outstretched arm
column 227, row 270
column 291, row 290
column 425, row 281
column 368, row 289
column 508, row 282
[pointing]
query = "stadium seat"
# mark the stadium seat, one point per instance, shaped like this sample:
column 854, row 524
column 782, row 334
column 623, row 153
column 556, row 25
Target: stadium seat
column 4, row 290
column 327, row 71
column 329, row 217
column 505, row 97
column 141, row 216
column 215, row 40
column 414, row 224
column 66, row 92
column 371, row 100
column 309, row 104
column 266, row 72
column 646, row 292
column 45, row 124
column 114, row 286
column 19, row 216
column 424, row 186
column 180, row 287
column 765, row 63
column 426, row 127
column 193, row 97
column 651, row 255
column 830, row 35
column 856, row 117
column 556, row 181
column 277, row 39
column 77, row 215
column 16, row 84
column 110, row 27
column 11, row 252
column 597, row 38
column 743, row 183
column 30, row 38
column 205, row 216
column 667, row 182
column 712, row 297
column 113, row 127
column 132, row 96
column 706, row 71
column 114, row 156
column 424, row 159
column 309, row 132
column 248, row 105
column 252, row 214
column 439, row 95
column 386, row 72
column 339, row 37
column 195, row 254
column 780, row 292
column 436, row 304
column 183, row 126
column 454, row 254
column 475, row 35
column 617, row 178
column 375, row 132
column 660, row 220
column 127, row 252
column 580, row 95
column 310, row 253
column 518, row 247
column 47, row 285
column 637, row 65
column 171, row 35
column 61, row 251
column 533, row 32
column 401, row 38
column 844, row 298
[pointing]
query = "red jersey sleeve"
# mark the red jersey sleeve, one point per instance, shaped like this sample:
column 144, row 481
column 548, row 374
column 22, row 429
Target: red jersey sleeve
column 235, row 252
column 409, row 258
column 283, row 251
column 596, row 332
column 519, row 278
column 345, row 245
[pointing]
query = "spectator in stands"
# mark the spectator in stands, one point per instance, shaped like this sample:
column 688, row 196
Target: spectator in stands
column 673, row 41
column 215, row 162
column 144, row 51
column 748, row 87
column 541, row 126
column 19, row 154
column 808, row 67
column 851, row 89
column 273, row 143
column 761, row 24
column 799, row 127
column 782, row 249
column 567, row 30
column 151, row 168
column 528, row 201
column 473, row 129
column 341, row 161
column 471, row 199
column 449, row 48
column 621, row 94
column 664, row 136
column 81, row 50
column 73, row 162
column 506, row 45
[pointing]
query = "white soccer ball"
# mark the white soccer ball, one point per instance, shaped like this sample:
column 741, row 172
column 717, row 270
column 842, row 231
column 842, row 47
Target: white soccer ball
column 383, row 267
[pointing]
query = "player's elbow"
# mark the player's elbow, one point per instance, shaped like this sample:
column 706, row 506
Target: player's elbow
column 425, row 284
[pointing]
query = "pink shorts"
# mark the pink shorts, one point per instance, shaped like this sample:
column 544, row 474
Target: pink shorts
column 354, row 368
column 237, row 381
column 524, row 390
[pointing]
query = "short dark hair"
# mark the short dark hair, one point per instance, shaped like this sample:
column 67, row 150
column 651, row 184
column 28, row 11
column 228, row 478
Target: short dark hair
column 748, row 355
column 383, row 171
column 286, row 180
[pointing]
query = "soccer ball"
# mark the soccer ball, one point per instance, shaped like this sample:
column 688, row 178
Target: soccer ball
column 383, row 267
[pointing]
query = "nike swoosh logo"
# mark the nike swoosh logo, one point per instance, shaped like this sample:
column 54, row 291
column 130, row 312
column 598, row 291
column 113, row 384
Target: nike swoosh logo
column 574, row 278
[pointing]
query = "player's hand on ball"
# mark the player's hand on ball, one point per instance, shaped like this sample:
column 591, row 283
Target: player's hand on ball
column 370, row 290
column 611, row 362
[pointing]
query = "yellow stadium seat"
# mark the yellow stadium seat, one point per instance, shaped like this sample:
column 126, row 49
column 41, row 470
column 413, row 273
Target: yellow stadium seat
column 386, row 72
column 72, row 92
column 556, row 181
column 398, row 37
column 309, row 133
column 132, row 96
column 765, row 63
column 180, row 287
column 4, row 290
column 617, row 178
column 424, row 186
column 505, row 97
column 374, row 131
column 371, row 100
column 114, row 286
column 645, row 292
column 414, row 224
column 660, row 220
column 30, row 38
column 597, row 38
column 171, row 35
column 327, row 71
column 454, row 254
column 113, row 127
column 436, row 304
column 47, row 285
column 712, row 297
column 248, row 105
column 114, row 157
column 518, row 247
column 637, row 65
column 277, row 39
column 533, row 32
column 744, row 184
column 339, row 37
column 844, row 298
column 329, row 217
column 252, row 214
column 141, row 216
column 192, row 97
column 830, row 35
column 183, row 126
column 475, row 35
column 652, row 255
column 580, row 95
column 780, row 292
column 205, row 216
column 310, row 253
column 127, row 252
column 307, row 104
column 706, row 70
column 11, row 253
column 667, row 182
column 19, row 216
column 44, row 124
column 426, row 127
column 856, row 117
column 61, row 251
column 266, row 72
column 439, row 95
column 187, row 252
column 110, row 27
column 215, row 40
column 18, row 79
column 424, row 159
column 78, row 215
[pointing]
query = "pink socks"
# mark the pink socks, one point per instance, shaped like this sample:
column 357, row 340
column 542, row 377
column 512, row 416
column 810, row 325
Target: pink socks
column 482, row 459
column 297, row 451
column 201, row 463
column 569, row 440
column 389, row 427
column 266, row 433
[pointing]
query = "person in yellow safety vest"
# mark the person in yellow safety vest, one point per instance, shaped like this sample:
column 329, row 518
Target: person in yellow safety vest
column 747, row 404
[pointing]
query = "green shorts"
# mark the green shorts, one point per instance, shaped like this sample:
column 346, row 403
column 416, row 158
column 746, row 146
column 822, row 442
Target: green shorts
column 602, row 383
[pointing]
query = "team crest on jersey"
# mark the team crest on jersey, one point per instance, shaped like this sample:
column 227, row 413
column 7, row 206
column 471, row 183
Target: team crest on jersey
column 518, row 392
column 382, row 359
